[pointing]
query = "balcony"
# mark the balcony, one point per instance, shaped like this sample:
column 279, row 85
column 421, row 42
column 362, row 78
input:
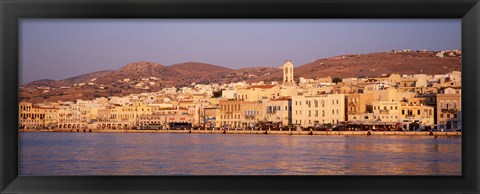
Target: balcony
column 449, row 110
column 384, row 111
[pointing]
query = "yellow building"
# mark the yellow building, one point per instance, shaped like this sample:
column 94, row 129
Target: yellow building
column 358, row 103
column 258, row 93
column 309, row 111
column 252, row 112
column 230, row 113
column 278, row 111
column 211, row 116
column 386, row 111
column 31, row 117
column 449, row 111
column 416, row 112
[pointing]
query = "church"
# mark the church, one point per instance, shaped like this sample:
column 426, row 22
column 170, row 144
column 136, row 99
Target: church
column 288, row 87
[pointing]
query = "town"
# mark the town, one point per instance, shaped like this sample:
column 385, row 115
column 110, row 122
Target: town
column 390, row 102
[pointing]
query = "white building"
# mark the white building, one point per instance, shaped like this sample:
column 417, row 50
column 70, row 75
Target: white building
column 386, row 111
column 320, row 109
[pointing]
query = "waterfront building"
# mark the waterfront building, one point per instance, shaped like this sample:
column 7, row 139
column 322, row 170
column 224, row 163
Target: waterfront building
column 30, row 116
column 415, row 115
column 449, row 109
column 211, row 116
column 155, row 120
column 386, row 111
column 325, row 109
column 359, row 118
column 278, row 111
column 359, row 103
column 252, row 113
column 230, row 114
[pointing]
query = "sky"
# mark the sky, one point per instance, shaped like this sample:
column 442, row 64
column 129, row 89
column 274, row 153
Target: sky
column 62, row 48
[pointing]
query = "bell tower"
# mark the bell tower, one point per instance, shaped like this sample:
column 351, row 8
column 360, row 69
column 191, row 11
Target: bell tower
column 288, row 72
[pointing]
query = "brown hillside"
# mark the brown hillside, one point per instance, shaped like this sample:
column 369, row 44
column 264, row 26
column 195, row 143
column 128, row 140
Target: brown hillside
column 87, row 77
column 376, row 64
column 199, row 69
column 43, row 83
column 143, row 69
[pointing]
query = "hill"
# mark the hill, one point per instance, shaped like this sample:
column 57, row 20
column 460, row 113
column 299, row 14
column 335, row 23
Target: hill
column 198, row 69
column 137, row 77
column 376, row 64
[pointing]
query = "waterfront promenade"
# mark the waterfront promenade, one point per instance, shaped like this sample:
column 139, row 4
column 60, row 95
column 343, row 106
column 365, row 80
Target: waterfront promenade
column 364, row 133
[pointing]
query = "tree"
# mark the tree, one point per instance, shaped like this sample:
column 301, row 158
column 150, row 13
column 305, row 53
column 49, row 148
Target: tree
column 217, row 94
column 336, row 80
column 328, row 125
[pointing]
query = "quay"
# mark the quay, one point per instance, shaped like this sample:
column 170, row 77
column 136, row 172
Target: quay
column 260, row 132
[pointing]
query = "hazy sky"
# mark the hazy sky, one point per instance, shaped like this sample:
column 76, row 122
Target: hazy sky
column 63, row 48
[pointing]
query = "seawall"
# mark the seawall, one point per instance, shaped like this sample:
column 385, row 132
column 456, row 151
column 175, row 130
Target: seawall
column 365, row 133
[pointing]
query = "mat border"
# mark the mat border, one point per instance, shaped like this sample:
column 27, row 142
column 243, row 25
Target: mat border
column 12, row 10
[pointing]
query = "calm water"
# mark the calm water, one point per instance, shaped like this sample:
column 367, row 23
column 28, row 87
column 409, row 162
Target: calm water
column 220, row 154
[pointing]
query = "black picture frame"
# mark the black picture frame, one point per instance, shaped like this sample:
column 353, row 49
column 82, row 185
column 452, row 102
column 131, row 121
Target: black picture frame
column 12, row 10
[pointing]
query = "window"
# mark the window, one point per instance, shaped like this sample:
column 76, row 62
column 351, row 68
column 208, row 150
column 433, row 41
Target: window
column 418, row 112
column 403, row 112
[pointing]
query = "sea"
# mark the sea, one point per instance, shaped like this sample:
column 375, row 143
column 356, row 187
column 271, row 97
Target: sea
column 51, row 153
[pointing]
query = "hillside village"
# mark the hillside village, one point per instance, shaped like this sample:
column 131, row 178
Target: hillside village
column 409, row 102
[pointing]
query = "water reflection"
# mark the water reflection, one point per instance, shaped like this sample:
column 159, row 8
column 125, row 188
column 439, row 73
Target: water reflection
column 219, row 154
